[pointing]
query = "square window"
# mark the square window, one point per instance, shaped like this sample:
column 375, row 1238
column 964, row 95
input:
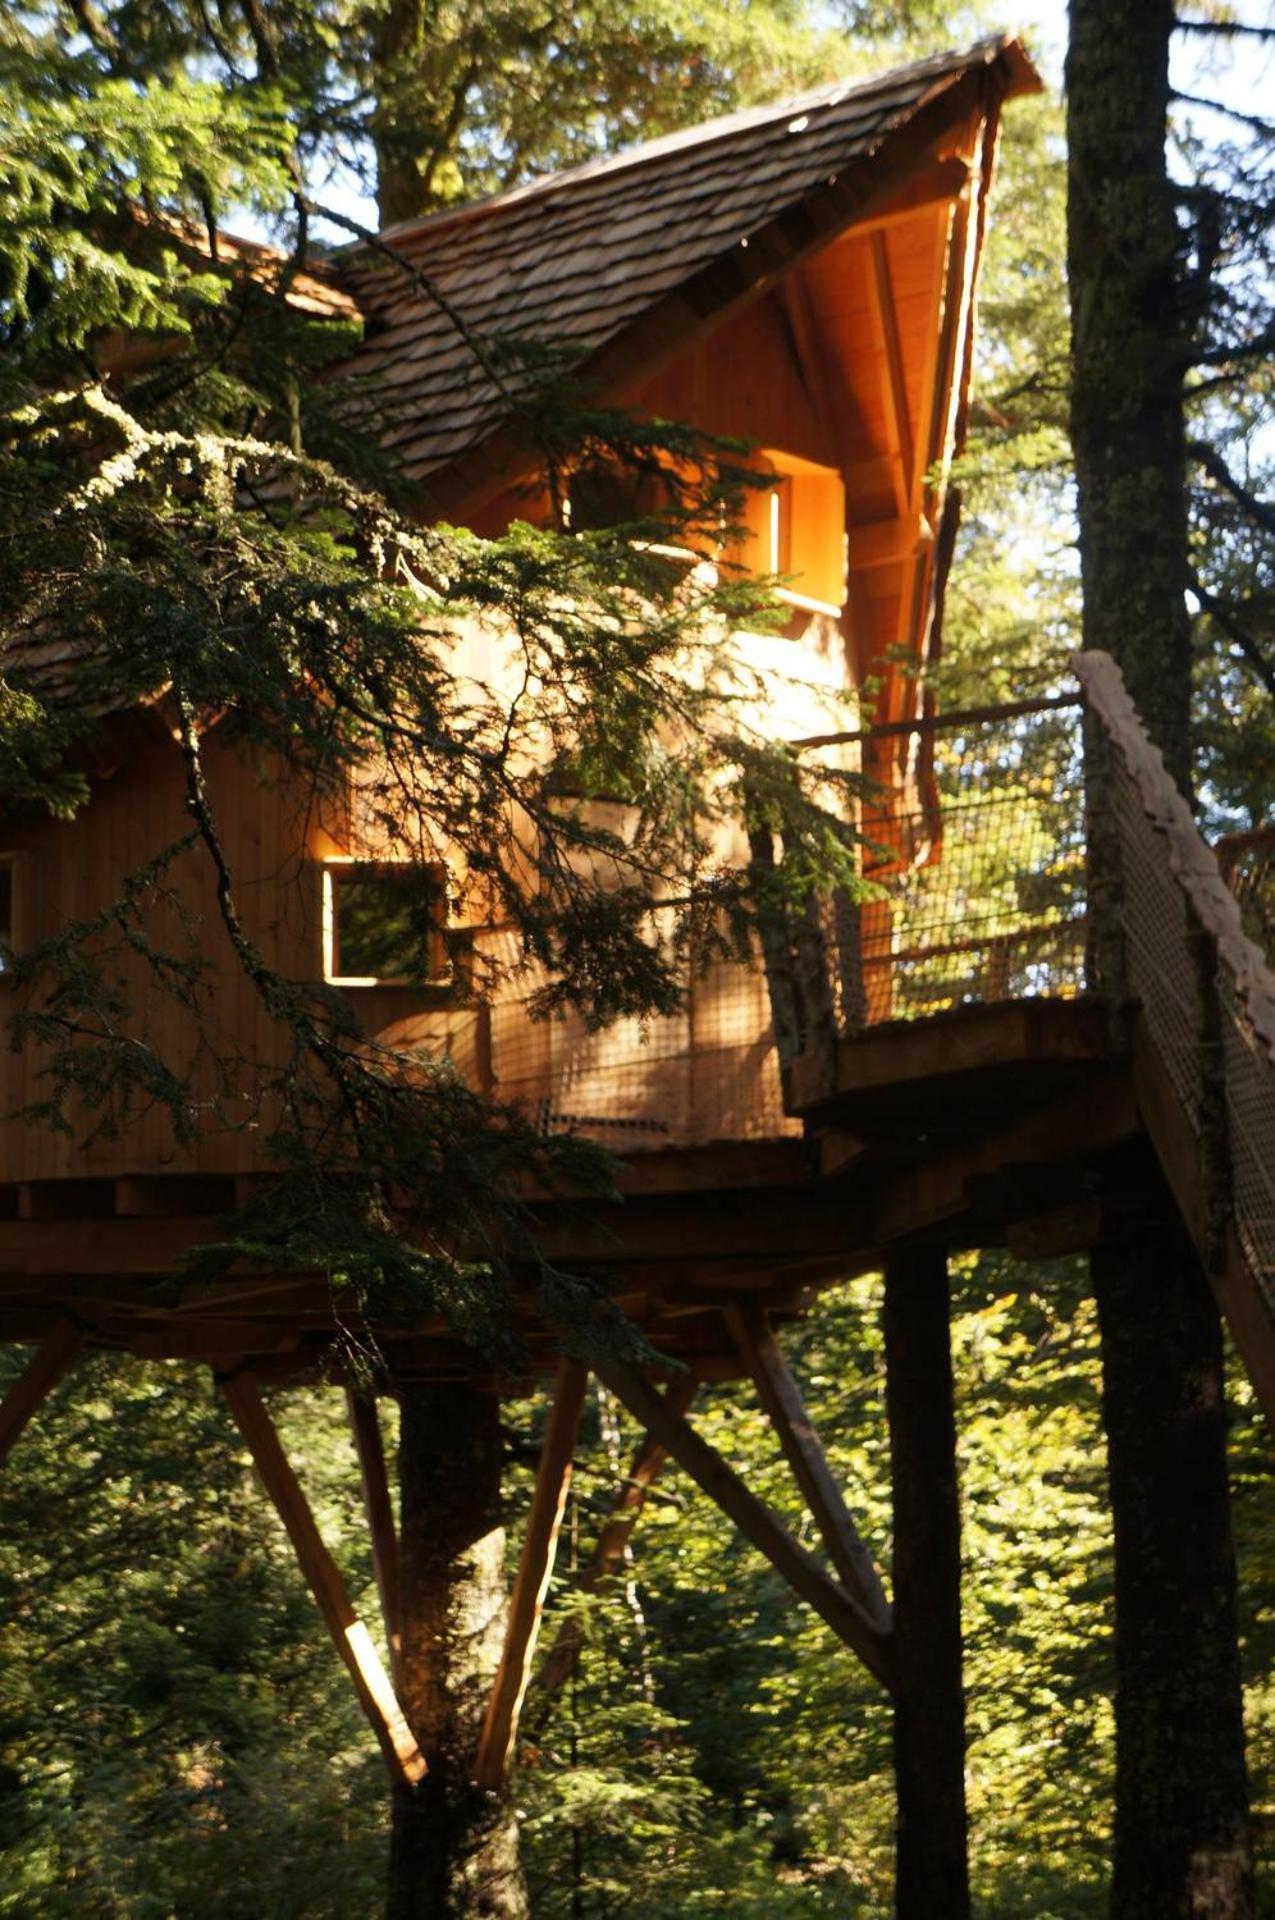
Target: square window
column 383, row 923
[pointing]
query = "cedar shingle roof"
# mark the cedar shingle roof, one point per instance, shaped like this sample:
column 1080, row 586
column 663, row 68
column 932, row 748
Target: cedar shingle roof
column 580, row 257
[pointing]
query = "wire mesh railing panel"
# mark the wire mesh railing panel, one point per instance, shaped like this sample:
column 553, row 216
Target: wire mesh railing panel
column 1206, row 997
column 708, row 1073
column 979, row 894
column 1159, row 962
column 1250, row 1119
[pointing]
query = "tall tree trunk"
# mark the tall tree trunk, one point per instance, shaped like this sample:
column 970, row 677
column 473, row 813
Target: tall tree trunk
column 424, row 75
column 1182, row 1843
column 1127, row 425
column 454, row 1849
column 1182, row 1837
column 929, row 1703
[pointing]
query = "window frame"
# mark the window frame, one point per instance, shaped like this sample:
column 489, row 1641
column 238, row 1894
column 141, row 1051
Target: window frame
column 785, row 476
column 440, row 972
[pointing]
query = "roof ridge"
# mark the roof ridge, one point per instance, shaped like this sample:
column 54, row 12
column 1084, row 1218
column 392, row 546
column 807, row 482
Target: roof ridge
column 830, row 93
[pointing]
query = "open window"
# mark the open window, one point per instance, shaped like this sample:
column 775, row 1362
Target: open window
column 383, row 924
column 794, row 524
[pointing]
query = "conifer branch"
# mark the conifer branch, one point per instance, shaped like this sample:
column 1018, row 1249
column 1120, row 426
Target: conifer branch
column 1259, row 510
column 1225, row 29
column 1247, row 643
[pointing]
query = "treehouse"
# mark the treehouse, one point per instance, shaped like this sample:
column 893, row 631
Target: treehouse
column 799, row 280
column 1040, row 1011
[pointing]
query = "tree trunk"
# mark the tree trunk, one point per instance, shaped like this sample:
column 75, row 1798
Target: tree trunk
column 1182, row 1836
column 1127, row 359
column 454, row 1848
column 929, row 1703
column 424, row 74
column 1182, row 1845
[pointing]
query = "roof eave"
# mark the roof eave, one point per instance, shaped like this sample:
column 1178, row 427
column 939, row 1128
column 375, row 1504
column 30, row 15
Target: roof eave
column 1022, row 75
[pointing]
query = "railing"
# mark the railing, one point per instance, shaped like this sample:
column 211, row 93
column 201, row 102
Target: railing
column 976, row 891
column 1205, row 995
column 1006, row 853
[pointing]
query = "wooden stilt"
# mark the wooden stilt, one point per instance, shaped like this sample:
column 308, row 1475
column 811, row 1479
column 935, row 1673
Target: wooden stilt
column 929, row 1702
column 553, row 1477
column 351, row 1637
column 844, row 1614
column 608, row 1556
column 781, row 1398
column 370, row 1448
column 33, row 1386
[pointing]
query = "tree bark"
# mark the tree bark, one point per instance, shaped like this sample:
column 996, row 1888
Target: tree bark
column 929, row 1703
column 454, row 1848
column 1127, row 431
column 1181, row 1828
column 424, row 74
column 1182, row 1849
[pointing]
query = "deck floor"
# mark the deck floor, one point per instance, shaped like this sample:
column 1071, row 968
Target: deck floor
column 1013, row 1124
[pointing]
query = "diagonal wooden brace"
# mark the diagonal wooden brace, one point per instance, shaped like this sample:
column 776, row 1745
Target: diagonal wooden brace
column 781, row 1398
column 379, row 1508
column 647, row 1464
column 553, row 1478
column 33, row 1386
column 352, row 1640
column 844, row 1614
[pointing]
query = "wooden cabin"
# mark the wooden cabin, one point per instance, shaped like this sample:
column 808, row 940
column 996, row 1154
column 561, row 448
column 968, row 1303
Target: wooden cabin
column 799, row 277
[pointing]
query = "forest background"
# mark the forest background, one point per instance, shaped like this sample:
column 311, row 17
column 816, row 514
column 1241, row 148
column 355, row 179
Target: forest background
column 176, row 1735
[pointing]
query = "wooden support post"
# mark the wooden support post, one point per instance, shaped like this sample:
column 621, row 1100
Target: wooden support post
column 33, row 1386
column 608, row 1556
column 379, row 1508
column 929, row 1703
column 370, row 1449
column 753, row 1518
column 553, row 1478
column 780, row 1396
column 353, row 1642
